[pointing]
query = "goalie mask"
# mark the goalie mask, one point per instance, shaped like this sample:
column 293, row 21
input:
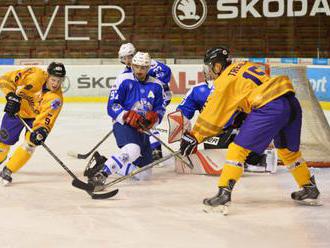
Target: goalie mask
column 126, row 53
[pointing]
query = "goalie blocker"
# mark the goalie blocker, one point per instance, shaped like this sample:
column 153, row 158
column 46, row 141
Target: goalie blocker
column 210, row 160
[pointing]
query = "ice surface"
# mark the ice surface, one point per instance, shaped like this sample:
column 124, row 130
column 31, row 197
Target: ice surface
column 42, row 209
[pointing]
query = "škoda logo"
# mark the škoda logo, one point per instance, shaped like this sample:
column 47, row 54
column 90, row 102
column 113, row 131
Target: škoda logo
column 189, row 14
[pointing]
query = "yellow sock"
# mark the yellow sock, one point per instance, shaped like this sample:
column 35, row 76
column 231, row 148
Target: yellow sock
column 4, row 149
column 296, row 165
column 234, row 166
column 19, row 158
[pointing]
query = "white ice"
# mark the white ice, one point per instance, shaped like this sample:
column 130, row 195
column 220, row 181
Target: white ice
column 42, row 209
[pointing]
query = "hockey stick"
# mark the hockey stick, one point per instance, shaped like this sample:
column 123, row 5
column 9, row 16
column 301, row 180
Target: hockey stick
column 133, row 173
column 139, row 170
column 76, row 181
column 86, row 155
column 178, row 155
column 81, row 183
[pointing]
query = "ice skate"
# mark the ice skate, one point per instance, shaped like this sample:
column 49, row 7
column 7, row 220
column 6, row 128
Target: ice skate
column 308, row 195
column 221, row 201
column 157, row 154
column 5, row 175
column 95, row 173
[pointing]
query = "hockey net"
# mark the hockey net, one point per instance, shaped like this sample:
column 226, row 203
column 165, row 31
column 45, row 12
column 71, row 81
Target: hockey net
column 315, row 135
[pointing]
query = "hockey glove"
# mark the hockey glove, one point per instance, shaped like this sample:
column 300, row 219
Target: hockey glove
column 239, row 118
column 132, row 118
column 38, row 136
column 13, row 104
column 188, row 144
column 149, row 120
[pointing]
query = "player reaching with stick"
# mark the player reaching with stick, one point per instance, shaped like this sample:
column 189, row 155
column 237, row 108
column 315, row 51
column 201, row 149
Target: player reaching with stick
column 36, row 96
column 136, row 101
column 273, row 113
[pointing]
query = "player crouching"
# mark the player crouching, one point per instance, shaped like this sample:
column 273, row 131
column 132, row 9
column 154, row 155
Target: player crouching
column 135, row 104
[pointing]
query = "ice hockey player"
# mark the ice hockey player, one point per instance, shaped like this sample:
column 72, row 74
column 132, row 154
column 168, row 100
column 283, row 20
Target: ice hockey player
column 36, row 96
column 273, row 113
column 135, row 103
column 195, row 100
column 157, row 70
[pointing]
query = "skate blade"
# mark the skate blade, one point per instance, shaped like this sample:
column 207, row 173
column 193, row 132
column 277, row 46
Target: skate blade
column 309, row 202
column 222, row 209
column 5, row 183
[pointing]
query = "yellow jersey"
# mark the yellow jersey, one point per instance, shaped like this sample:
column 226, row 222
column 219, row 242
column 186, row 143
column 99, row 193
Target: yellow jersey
column 37, row 101
column 241, row 86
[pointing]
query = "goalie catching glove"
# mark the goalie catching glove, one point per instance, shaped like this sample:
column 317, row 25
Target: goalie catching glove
column 38, row 136
column 188, row 144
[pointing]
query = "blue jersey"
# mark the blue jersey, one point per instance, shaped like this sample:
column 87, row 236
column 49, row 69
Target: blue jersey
column 163, row 73
column 195, row 100
column 160, row 71
column 128, row 93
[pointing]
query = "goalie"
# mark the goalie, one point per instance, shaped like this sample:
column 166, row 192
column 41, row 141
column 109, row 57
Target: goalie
column 273, row 113
column 36, row 96
column 195, row 100
column 135, row 103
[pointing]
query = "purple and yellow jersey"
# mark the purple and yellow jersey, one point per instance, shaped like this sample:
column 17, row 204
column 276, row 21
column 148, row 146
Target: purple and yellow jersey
column 37, row 102
column 241, row 86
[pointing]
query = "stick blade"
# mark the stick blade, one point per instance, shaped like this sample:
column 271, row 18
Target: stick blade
column 83, row 156
column 72, row 154
column 81, row 185
column 103, row 195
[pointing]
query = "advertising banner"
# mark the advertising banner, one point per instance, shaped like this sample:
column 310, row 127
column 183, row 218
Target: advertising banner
column 96, row 80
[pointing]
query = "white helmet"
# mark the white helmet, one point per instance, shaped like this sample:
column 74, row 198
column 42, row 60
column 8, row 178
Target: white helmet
column 126, row 50
column 142, row 59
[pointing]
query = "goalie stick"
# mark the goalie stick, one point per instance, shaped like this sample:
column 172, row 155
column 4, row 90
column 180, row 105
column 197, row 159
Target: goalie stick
column 76, row 181
column 178, row 155
column 86, row 155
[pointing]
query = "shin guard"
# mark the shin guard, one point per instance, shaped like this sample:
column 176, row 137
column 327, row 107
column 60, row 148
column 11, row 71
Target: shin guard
column 234, row 165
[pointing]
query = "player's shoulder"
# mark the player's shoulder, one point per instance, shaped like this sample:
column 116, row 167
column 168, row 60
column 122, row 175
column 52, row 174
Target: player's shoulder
column 38, row 73
column 155, row 82
column 154, row 63
column 200, row 87
column 124, row 77
column 54, row 98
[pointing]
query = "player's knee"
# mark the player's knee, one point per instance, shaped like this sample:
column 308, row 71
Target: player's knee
column 237, row 153
column 288, row 157
column 132, row 150
column 4, row 149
